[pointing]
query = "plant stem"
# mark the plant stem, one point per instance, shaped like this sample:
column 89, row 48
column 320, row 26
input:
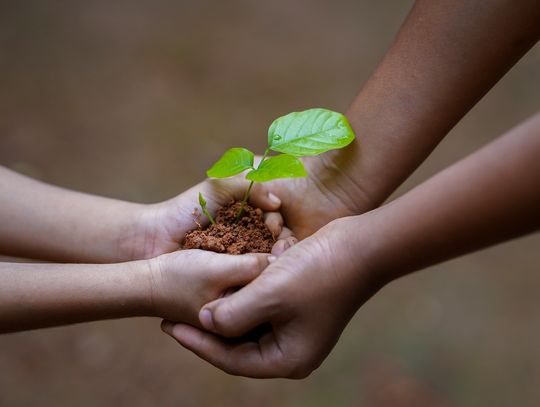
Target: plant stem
column 244, row 201
column 210, row 218
column 246, row 195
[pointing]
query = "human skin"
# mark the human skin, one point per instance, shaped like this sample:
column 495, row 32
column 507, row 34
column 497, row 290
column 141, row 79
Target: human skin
column 172, row 286
column 310, row 292
column 446, row 56
column 45, row 222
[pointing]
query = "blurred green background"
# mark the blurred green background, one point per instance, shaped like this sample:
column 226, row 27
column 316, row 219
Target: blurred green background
column 134, row 100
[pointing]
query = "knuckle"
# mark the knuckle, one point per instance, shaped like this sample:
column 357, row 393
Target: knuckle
column 223, row 317
column 248, row 268
column 256, row 264
column 246, row 262
column 262, row 262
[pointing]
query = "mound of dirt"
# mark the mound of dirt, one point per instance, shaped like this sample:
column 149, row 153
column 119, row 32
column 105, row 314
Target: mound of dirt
column 249, row 234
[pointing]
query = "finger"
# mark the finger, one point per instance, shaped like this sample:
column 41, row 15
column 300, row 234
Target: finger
column 282, row 245
column 240, row 312
column 218, row 192
column 243, row 269
column 274, row 221
column 285, row 233
column 262, row 198
column 244, row 359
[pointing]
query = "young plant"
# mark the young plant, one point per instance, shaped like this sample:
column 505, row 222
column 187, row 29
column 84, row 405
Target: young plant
column 296, row 134
column 202, row 202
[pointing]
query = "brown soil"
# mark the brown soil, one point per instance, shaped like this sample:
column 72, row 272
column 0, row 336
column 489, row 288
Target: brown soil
column 247, row 235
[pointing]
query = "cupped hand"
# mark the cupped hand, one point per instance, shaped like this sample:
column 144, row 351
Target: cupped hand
column 307, row 295
column 183, row 281
column 160, row 228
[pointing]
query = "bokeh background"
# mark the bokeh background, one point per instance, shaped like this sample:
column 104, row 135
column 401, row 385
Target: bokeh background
column 134, row 100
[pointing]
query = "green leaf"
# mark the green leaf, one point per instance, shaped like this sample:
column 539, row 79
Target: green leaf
column 234, row 161
column 280, row 166
column 310, row 132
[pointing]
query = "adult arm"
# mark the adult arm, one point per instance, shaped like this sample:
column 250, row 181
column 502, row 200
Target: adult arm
column 446, row 56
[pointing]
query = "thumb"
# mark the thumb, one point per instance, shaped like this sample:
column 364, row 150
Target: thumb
column 238, row 313
column 243, row 269
column 262, row 198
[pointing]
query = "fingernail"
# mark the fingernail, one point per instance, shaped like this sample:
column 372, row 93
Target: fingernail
column 274, row 199
column 271, row 259
column 207, row 320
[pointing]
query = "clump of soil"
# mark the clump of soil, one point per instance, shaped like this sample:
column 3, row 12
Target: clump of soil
column 247, row 235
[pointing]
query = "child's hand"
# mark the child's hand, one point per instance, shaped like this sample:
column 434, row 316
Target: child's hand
column 160, row 228
column 182, row 282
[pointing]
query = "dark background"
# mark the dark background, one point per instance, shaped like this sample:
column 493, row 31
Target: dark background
column 134, row 100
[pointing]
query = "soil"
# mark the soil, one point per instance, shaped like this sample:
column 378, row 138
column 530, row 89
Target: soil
column 247, row 235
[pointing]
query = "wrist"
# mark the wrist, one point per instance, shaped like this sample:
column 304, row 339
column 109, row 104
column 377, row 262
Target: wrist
column 118, row 237
column 139, row 239
column 358, row 253
column 163, row 297
column 336, row 173
column 157, row 229
column 142, row 287
column 382, row 245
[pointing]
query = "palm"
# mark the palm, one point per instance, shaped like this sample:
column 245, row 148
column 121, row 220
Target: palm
column 162, row 226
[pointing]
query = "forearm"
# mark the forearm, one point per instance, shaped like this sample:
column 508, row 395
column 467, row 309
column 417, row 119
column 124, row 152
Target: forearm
column 446, row 56
column 491, row 196
column 43, row 295
column 47, row 222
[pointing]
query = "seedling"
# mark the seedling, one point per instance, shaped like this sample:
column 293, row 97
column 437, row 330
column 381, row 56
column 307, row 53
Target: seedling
column 202, row 202
column 296, row 134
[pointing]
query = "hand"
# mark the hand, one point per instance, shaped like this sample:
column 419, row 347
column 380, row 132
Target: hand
column 308, row 295
column 182, row 282
column 160, row 228
column 328, row 192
